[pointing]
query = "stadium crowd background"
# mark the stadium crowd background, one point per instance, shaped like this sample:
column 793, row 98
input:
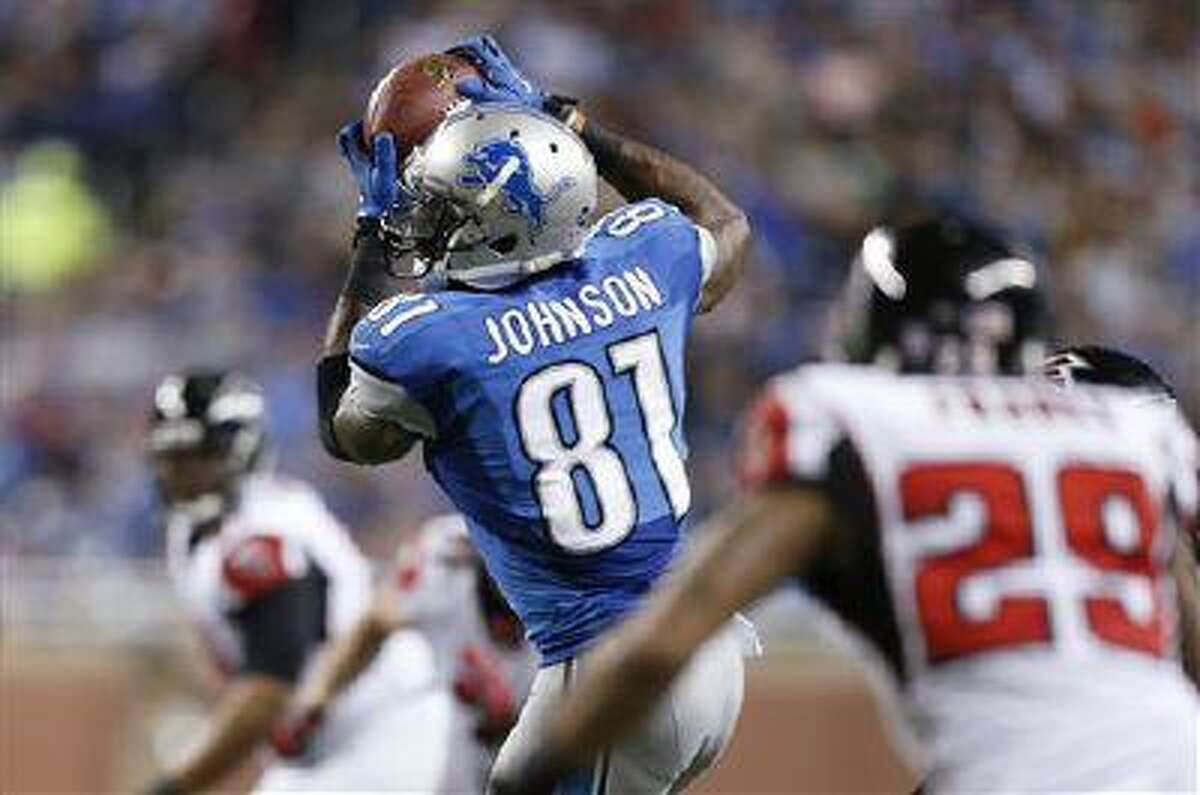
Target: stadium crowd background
column 171, row 195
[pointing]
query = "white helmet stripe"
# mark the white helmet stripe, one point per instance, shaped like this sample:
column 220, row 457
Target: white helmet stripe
column 488, row 194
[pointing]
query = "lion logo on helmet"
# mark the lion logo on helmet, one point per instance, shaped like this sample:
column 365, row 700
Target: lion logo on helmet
column 490, row 160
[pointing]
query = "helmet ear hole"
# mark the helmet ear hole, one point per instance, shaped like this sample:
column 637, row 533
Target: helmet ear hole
column 504, row 244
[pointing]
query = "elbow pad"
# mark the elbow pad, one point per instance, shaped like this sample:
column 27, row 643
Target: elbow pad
column 333, row 378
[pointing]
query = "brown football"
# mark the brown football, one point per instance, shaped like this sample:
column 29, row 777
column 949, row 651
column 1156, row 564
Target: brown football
column 413, row 98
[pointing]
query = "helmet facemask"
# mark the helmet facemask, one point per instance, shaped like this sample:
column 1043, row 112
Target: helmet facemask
column 422, row 229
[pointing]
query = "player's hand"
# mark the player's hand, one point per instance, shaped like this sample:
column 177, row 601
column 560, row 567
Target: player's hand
column 291, row 736
column 502, row 81
column 375, row 172
column 482, row 685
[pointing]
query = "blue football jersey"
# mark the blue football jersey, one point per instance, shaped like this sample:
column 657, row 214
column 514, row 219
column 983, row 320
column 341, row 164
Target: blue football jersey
column 555, row 416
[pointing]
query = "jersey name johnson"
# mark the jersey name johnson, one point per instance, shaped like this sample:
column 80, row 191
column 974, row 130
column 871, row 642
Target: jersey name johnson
column 594, row 306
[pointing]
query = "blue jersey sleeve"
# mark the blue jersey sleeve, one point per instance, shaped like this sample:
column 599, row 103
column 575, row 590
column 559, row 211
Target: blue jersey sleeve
column 679, row 252
column 409, row 341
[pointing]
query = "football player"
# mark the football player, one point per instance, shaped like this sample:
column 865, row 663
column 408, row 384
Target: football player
column 269, row 577
column 1004, row 544
column 542, row 368
column 439, row 587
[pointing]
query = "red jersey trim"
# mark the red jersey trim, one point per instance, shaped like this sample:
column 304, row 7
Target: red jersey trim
column 763, row 458
column 255, row 566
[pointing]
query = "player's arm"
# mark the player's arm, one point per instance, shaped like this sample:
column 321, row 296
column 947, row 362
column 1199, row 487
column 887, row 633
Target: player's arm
column 347, row 658
column 406, row 597
column 348, row 434
column 279, row 630
column 352, row 428
column 244, row 717
column 1184, row 570
column 746, row 552
column 638, row 171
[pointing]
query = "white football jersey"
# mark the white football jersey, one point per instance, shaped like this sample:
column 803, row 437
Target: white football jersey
column 281, row 530
column 436, row 582
column 1005, row 547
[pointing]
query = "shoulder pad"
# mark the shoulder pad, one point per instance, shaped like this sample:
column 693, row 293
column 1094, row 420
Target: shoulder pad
column 639, row 218
column 405, row 339
column 441, row 542
column 662, row 239
column 396, row 317
column 256, row 565
column 423, row 581
column 789, row 433
column 763, row 450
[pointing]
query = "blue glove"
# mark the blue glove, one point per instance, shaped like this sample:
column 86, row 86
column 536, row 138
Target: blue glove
column 378, row 182
column 502, row 81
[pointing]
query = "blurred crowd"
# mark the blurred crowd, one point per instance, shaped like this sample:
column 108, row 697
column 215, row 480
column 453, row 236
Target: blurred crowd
column 170, row 195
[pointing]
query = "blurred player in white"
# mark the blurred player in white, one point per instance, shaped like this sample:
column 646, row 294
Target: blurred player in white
column 269, row 577
column 1009, row 548
column 440, row 588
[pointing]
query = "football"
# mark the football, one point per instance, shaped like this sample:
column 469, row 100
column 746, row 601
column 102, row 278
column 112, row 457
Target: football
column 413, row 98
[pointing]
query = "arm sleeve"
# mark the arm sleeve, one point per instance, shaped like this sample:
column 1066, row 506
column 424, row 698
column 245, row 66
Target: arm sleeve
column 281, row 628
column 708, row 253
column 378, row 398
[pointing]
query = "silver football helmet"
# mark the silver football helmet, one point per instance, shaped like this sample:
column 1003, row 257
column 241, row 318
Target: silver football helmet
column 500, row 192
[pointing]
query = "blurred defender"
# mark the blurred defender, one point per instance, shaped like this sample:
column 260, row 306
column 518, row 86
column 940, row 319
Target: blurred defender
column 1004, row 544
column 438, row 587
column 269, row 577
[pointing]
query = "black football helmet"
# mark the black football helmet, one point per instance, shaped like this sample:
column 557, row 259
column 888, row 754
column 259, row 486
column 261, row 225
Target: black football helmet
column 1096, row 364
column 205, row 435
column 942, row 295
